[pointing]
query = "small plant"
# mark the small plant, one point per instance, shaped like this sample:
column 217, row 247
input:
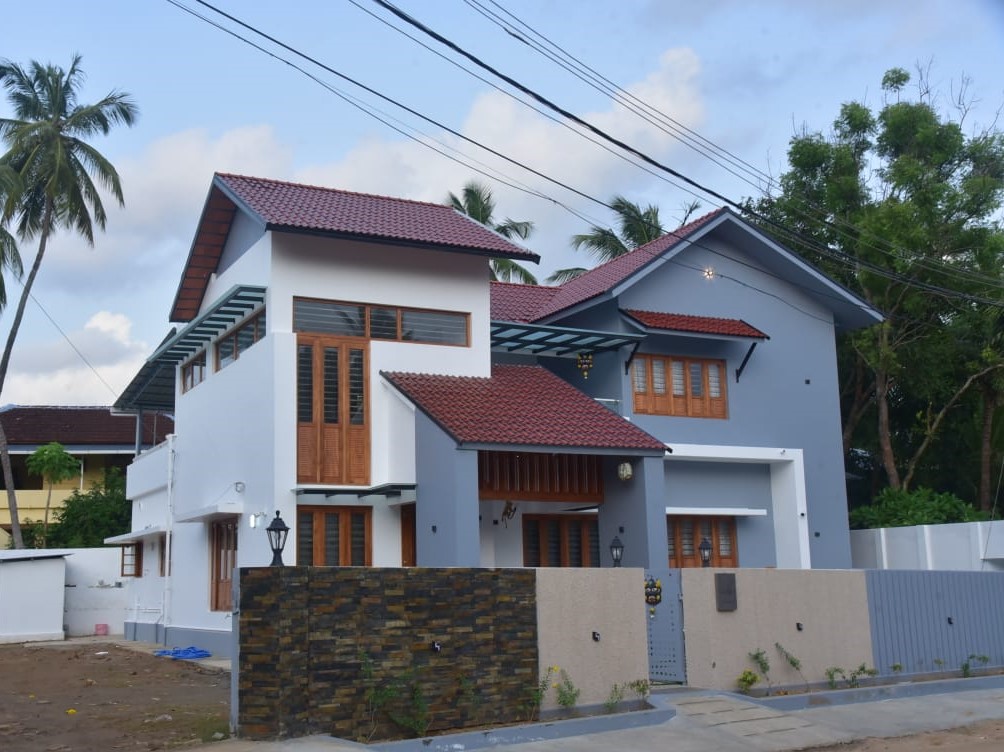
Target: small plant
column 762, row 663
column 938, row 663
column 967, row 665
column 615, row 697
column 896, row 668
column 831, row 676
column 568, row 693
column 746, row 681
column 416, row 717
column 377, row 694
column 538, row 693
column 854, row 678
column 794, row 662
column 642, row 688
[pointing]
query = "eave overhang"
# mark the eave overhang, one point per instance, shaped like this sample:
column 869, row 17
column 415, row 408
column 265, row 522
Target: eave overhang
column 556, row 341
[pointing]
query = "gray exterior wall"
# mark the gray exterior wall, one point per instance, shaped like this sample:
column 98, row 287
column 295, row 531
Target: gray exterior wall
column 244, row 233
column 447, row 499
column 787, row 395
column 710, row 485
column 633, row 511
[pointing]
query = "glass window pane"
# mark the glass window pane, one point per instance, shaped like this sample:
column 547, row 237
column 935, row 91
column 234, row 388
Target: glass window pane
column 332, row 544
column 659, row 376
column 725, row 537
column 305, row 539
column 434, row 327
column 305, row 384
column 383, row 323
column 331, row 377
column 594, row 542
column 687, row 537
column 714, row 381
column 553, row 542
column 357, row 401
column 328, row 317
column 640, row 375
column 678, row 390
column 696, row 381
column 225, row 351
column 261, row 325
column 358, row 548
column 574, row 528
column 245, row 337
column 531, row 543
column 671, row 536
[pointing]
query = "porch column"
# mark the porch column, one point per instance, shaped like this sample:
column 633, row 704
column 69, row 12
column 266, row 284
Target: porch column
column 446, row 499
column 639, row 506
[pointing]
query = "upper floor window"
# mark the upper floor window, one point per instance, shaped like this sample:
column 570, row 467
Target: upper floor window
column 685, row 387
column 193, row 372
column 231, row 345
column 381, row 322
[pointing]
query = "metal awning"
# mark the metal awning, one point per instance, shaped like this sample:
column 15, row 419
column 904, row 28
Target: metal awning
column 716, row 511
column 153, row 387
column 136, row 535
column 556, row 341
column 212, row 512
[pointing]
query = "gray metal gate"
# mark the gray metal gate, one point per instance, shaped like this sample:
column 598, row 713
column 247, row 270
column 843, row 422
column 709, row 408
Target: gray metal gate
column 666, row 660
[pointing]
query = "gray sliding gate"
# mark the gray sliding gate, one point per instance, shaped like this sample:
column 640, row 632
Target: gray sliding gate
column 665, row 628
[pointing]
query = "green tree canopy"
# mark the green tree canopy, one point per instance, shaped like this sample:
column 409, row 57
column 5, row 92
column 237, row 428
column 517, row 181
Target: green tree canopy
column 54, row 465
column 88, row 517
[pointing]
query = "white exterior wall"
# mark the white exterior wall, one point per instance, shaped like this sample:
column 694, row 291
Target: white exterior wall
column 95, row 593
column 31, row 599
column 967, row 546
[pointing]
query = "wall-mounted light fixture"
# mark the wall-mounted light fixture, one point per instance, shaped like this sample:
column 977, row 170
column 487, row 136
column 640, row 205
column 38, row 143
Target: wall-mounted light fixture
column 256, row 518
column 625, row 471
column 616, row 551
column 709, row 272
column 239, row 486
column 705, row 551
column 277, row 531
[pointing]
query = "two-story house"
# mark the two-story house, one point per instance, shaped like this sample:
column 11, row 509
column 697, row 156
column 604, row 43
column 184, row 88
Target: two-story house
column 344, row 360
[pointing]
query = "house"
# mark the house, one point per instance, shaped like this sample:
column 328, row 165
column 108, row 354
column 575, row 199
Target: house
column 343, row 360
column 96, row 436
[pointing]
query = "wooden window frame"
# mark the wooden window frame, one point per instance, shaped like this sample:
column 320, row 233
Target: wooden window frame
column 132, row 560
column 676, row 556
column 222, row 560
column 165, row 564
column 344, row 541
column 257, row 334
column 367, row 321
column 585, row 521
column 196, row 367
column 647, row 401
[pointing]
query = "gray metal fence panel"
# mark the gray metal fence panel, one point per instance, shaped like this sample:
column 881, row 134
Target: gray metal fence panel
column 666, row 659
column 934, row 621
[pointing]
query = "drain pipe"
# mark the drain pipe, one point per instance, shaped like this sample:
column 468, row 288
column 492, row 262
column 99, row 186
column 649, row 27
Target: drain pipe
column 169, row 536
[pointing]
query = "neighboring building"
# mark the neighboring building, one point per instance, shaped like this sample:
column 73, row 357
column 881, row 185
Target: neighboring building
column 346, row 362
column 98, row 438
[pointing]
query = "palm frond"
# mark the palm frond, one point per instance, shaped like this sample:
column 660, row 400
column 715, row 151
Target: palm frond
column 561, row 276
column 507, row 270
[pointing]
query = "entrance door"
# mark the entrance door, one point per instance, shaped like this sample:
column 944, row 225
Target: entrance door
column 409, row 556
column 686, row 533
column 332, row 424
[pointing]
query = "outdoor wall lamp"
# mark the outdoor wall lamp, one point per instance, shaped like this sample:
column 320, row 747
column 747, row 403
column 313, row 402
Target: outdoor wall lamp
column 277, row 531
column 705, row 551
column 625, row 471
column 616, row 551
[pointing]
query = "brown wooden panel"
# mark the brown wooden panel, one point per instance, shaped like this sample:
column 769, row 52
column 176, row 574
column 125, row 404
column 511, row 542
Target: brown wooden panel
column 306, row 453
column 511, row 476
column 332, row 460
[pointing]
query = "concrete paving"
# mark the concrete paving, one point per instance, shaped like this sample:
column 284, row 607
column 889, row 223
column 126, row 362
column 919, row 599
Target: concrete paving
column 720, row 722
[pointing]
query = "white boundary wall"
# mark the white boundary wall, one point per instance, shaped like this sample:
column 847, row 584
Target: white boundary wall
column 967, row 546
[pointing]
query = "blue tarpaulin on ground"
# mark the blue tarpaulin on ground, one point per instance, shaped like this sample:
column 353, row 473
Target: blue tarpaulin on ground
column 183, row 654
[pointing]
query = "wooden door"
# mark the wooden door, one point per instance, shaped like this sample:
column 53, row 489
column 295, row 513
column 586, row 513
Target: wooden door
column 684, row 535
column 409, row 553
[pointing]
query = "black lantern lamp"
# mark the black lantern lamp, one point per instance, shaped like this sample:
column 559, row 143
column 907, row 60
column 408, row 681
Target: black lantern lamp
column 616, row 550
column 705, row 550
column 277, row 531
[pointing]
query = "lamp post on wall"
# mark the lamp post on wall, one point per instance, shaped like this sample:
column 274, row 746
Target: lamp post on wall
column 616, row 551
column 705, row 551
column 277, row 531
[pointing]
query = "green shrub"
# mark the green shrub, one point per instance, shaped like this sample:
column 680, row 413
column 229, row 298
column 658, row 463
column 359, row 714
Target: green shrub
column 896, row 508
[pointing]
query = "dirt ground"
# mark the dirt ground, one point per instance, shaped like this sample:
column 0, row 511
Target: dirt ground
column 78, row 697
column 96, row 696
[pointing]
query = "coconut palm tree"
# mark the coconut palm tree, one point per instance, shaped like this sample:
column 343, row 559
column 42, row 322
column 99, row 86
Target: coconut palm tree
column 637, row 227
column 477, row 202
column 46, row 147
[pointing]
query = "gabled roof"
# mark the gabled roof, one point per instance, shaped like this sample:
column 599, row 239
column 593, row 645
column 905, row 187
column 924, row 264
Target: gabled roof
column 521, row 406
column 78, row 426
column 519, row 303
column 297, row 208
column 678, row 322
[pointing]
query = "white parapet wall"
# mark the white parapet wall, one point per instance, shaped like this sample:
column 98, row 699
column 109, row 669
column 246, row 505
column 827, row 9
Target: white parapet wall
column 963, row 546
column 96, row 594
column 31, row 595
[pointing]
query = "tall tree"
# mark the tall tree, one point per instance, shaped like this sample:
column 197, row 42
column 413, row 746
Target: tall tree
column 47, row 148
column 900, row 205
column 477, row 202
column 54, row 464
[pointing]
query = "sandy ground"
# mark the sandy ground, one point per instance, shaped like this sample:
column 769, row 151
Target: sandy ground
column 980, row 737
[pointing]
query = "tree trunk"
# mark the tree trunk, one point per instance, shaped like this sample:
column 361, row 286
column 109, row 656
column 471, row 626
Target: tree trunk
column 8, row 475
column 990, row 401
column 45, row 524
column 884, row 432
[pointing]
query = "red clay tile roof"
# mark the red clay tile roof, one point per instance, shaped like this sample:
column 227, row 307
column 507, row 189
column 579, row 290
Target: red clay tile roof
column 679, row 322
column 521, row 405
column 307, row 207
column 79, row 425
column 605, row 276
column 518, row 303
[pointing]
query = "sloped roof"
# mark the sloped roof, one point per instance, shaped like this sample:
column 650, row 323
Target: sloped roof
column 520, row 303
column 679, row 322
column 79, row 426
column 520, row 405
column 294, row 207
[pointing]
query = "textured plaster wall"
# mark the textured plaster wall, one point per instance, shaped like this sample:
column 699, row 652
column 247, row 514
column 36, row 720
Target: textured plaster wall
column 831, row 606
column 574, row 603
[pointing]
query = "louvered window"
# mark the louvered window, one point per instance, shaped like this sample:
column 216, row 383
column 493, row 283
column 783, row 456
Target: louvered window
column 697, row 389
column 230, row 346
column 561, row 541
column 685, row 533
column 381, row 322
column 333, row 536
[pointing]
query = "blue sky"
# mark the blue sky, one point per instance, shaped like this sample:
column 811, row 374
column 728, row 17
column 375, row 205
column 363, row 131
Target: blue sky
column 745, row 75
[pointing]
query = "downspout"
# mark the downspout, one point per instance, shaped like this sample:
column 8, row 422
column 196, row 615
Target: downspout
column 169, row 535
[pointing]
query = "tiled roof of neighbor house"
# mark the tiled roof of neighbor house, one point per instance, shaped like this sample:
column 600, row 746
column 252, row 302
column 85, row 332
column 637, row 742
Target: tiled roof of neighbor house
column 308, row 207
column 520, row 405
column 96, row 426
column 679, row 322
column 515, row 302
